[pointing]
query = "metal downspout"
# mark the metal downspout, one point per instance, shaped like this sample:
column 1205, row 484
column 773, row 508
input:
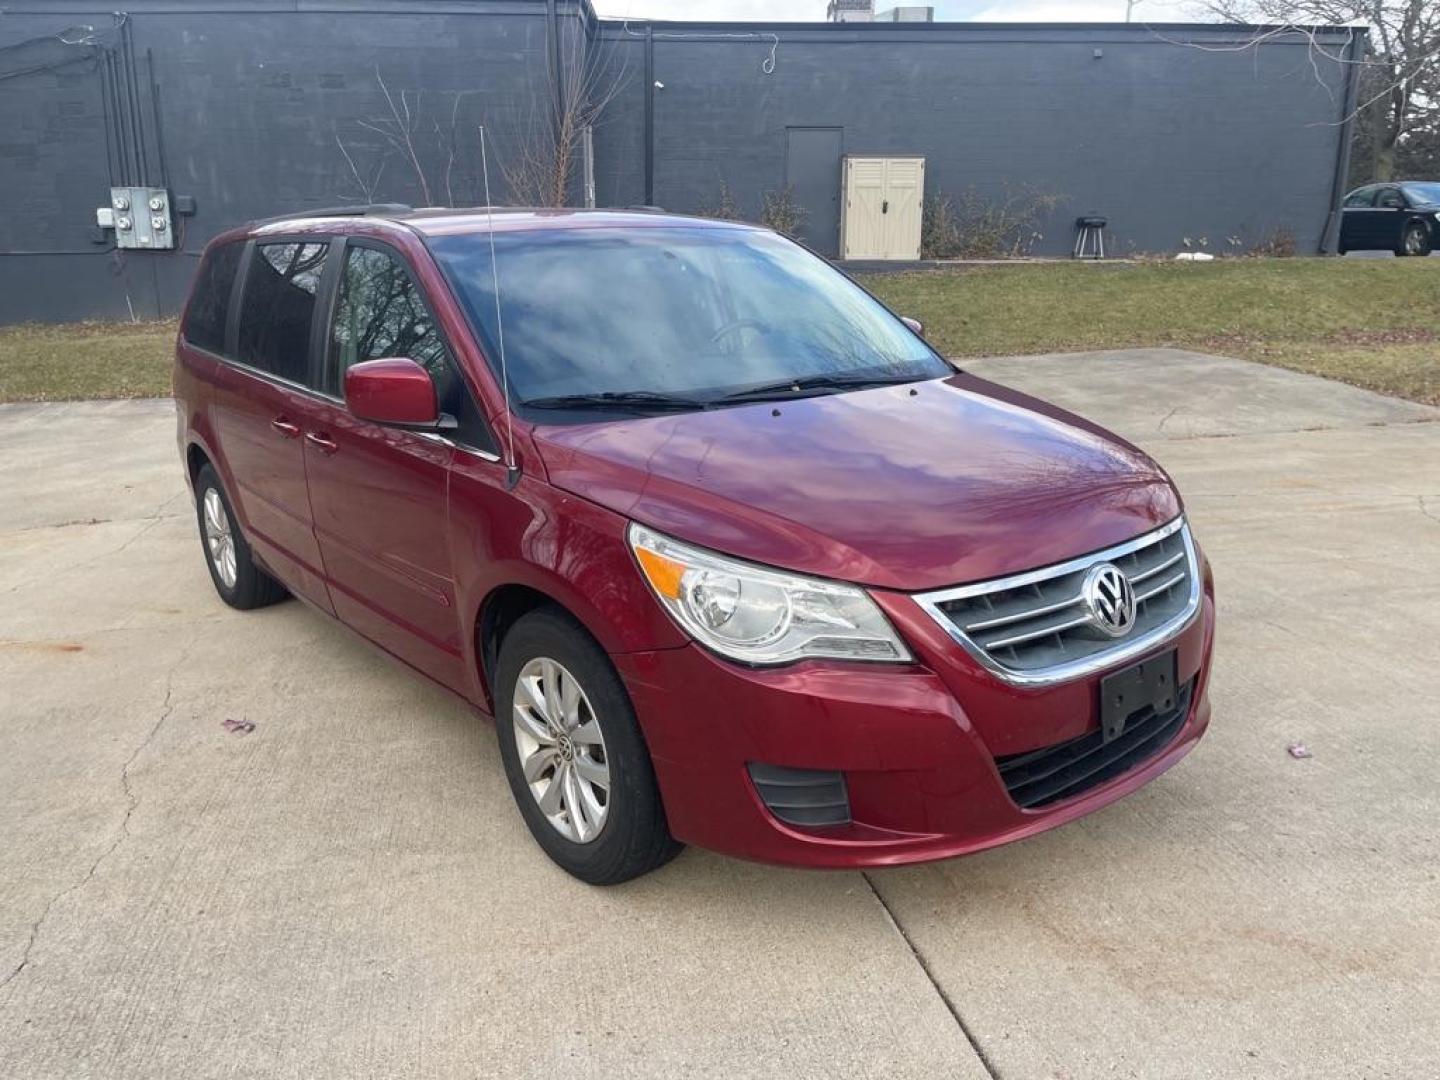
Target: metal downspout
column 1329, row 239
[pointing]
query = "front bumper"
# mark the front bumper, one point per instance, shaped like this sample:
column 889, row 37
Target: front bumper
column 917, row 744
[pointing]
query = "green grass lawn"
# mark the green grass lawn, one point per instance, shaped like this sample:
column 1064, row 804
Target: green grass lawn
column 86, row 360
column 1374, row 323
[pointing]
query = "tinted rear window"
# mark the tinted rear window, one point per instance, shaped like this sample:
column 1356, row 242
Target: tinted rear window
column 210, row 302
column 279, row 304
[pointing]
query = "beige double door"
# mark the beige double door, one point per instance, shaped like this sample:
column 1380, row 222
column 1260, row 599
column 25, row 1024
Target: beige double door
column 882, row 205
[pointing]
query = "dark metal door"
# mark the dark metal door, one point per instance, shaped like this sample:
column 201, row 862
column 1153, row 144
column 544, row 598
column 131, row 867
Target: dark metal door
column 812, row 170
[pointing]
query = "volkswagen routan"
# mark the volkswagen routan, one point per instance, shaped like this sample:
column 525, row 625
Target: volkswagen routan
column 727, row 551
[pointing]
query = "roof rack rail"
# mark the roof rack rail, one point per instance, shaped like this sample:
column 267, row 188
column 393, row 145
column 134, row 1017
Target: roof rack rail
column 371, row 210
column 646, row 207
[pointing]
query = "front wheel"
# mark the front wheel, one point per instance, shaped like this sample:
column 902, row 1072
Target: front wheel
column 1415, row 240
column 574, row 756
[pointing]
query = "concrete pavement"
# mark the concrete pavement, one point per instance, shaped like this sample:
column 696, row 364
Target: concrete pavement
column 347, row 891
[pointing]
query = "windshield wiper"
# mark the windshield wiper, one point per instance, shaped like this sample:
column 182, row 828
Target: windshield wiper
column 618, row 399
column 788, row 388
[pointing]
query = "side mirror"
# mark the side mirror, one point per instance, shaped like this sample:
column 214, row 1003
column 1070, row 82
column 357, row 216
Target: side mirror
column 914, row 324
column 392, row 391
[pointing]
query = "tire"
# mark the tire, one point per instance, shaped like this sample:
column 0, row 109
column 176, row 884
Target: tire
column 625, row 821
column 237, row 579
column 1415, row 240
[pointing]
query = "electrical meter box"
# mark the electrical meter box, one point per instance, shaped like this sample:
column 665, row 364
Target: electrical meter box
column 141, row 218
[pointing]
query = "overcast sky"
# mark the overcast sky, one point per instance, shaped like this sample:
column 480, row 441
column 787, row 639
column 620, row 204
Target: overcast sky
column 948, row 10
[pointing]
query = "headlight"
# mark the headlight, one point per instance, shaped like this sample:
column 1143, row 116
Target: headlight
column 762, row 616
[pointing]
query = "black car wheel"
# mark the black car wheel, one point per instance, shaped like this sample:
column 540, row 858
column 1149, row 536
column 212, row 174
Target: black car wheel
column 238, row 580
column 1415, row 240
column 573, row 752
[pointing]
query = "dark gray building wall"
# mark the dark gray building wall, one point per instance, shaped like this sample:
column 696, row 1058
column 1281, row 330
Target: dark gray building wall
column 260, row 103
column 620, row 130
column 258, row 97
column 1167, row 140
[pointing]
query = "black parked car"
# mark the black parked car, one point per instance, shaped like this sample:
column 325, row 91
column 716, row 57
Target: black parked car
column 1402, row 217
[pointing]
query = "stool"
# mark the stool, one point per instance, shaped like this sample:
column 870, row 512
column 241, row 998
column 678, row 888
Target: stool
column 1091, row 235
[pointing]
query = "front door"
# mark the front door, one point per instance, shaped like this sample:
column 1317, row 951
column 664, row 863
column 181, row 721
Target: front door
column 1389, row 217
column 812, row 172
column 260, row 407
column 379, row 494
column 1355, row 218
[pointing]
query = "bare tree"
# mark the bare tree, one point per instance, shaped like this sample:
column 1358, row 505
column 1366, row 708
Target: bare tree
column 399, row 130
column 431, row 147
column 540, row 169
column 367, row 182
column 1398, row 105
column 539, row 166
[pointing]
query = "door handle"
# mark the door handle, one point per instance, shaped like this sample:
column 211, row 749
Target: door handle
column 285, row 427
column 323, row 443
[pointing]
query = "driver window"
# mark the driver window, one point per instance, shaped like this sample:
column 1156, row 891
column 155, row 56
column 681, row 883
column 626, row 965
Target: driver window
column 1391, row 199
column 380, row 313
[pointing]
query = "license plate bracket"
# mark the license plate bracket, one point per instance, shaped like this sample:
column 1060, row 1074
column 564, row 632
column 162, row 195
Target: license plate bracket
column 1136, row 693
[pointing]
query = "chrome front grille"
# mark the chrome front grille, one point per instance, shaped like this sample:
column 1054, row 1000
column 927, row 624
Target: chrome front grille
column 1039, row 627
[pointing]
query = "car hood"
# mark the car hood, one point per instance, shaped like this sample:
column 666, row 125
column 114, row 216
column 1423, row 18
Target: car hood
column 906, row 487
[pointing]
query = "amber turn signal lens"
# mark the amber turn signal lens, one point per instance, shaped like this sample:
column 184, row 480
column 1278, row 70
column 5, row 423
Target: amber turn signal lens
column 664, row 574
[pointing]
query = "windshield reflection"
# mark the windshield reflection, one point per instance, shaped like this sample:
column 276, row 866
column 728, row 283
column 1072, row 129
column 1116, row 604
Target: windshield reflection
column 692, row 312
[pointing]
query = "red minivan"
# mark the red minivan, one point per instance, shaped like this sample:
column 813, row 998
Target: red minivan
column 733, row 557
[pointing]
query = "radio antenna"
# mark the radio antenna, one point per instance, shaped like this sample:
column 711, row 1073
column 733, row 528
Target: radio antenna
column 513, row 469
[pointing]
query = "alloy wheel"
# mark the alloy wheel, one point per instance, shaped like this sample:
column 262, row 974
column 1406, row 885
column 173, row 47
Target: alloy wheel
column 1414, row 240
column 561, row 750
column 219, row 538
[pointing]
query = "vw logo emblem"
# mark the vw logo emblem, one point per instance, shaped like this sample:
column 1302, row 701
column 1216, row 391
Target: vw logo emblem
column 1110, row 599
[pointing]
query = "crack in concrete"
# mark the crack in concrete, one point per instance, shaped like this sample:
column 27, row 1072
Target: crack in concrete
column 1304, row 430
column 984, row 1058
column 149, row 521
column 155, row 517
column 132, row 801
column 1425, row 509
column 74, row 523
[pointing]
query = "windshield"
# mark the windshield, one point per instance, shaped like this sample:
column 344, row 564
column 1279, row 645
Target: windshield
column 691, row 313
column 1422, row 193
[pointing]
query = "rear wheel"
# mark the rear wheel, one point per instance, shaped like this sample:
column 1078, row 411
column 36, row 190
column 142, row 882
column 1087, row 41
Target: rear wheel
column 240, row 583
column 574, row 756
column 1415, row 240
